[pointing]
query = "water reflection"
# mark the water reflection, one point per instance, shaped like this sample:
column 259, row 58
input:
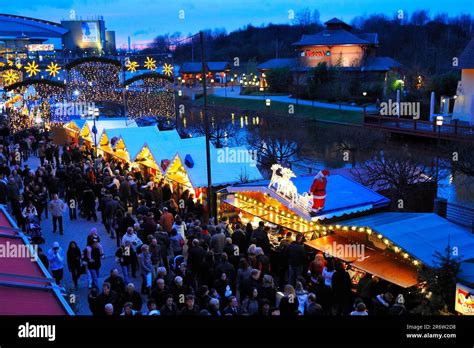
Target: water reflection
column 319, row 150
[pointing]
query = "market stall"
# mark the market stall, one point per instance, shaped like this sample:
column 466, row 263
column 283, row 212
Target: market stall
column 285, row 200
column 83, row 128
column 393, row 246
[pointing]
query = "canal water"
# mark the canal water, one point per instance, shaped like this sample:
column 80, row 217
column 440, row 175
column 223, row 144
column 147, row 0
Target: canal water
column 317, row 146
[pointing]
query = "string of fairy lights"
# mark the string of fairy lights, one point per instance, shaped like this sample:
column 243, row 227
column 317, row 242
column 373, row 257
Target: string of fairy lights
column 300, row 223
column 93, row 81
column 32, row 68
column 150, row 96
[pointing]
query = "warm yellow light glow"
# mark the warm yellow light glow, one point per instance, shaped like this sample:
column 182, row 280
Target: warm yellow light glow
column 32, row 68
column 167, row 69
column 53, row 69
column 150, row 63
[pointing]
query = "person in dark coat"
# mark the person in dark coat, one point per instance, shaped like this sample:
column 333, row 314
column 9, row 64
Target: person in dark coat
column 89, row 204
column 296, row 259
column 260, row 235
column 3, row 190
column 190, row 308
column 169, row 308
column 116, row 282
column 108, row 296
column 289, row 302
column 133, row 296
column 196, row 256
column 324, row 294
column 74, row 262
column 341, row 285
column 93, row 300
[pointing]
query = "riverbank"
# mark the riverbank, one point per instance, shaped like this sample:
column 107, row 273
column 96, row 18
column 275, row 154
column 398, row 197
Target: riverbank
column 281, row 108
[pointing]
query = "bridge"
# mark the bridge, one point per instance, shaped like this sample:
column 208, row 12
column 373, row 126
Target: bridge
column 415, row 127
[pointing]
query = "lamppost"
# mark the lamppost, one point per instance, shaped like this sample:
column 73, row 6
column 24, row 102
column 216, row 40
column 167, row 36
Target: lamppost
column 268, row 103
column 439, row 123
column 231, row 84
column 206, row 127
column 95, row 115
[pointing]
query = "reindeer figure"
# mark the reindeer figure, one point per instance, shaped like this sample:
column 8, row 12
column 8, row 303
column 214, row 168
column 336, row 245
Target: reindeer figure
column 276, row 178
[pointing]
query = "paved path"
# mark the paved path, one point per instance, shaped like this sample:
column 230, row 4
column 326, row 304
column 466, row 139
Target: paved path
column 77, row 231
column 227, row 92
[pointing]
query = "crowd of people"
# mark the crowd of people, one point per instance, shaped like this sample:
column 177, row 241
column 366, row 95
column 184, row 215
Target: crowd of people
column 185, row 263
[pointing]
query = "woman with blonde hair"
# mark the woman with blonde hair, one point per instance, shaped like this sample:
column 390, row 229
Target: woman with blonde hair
column 289, row 302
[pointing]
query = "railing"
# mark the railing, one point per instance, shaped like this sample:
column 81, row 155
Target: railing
column 460, row 215
column 452, row 130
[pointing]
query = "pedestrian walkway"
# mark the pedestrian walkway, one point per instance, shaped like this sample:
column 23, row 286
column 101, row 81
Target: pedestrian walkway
column 228, row 93
column 77, row 231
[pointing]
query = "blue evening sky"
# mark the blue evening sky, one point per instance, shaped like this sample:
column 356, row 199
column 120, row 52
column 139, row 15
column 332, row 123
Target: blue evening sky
column 145, row 19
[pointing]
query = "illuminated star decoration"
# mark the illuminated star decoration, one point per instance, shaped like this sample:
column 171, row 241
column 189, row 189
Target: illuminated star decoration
column 32, row 68
column 132, row 66
column 150, row 63
column 10, row 77
column 167, row 69
column 53, row 69
column 10, row 63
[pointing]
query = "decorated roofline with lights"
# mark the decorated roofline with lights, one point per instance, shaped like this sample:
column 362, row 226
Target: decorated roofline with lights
column 281, row 203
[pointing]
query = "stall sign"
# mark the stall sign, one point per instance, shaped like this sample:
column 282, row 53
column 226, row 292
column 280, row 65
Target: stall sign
column 40, row 47
column 464, row 300
column 315, row 53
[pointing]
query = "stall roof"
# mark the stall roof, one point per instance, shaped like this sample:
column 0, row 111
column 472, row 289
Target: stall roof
column 344, row 196
column 224, row 171
column 105, row 123
column 26, row 287
column 420, row 234
column 371, row 261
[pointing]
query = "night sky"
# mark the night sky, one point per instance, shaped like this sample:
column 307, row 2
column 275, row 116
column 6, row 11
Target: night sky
column 145, row 19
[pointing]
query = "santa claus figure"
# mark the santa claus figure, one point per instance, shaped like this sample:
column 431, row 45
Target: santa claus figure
column 318, row 189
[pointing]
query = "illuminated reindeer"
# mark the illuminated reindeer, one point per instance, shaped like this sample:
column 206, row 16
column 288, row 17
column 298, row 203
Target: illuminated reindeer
column 281, row 183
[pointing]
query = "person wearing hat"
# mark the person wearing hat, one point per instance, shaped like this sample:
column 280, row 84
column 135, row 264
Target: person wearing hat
column 56, row 262
column 318, row 190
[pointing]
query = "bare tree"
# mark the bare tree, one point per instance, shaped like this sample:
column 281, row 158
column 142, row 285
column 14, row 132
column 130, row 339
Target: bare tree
column 462, row 158
column 354, row 142
column 220, row 127
column 397, row 170
column 306, row 17
column 273, row 145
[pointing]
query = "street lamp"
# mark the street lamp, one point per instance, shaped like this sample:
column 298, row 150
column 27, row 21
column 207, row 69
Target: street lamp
column 180, row 93
column 95, row 114
column 268, row 103
column 439, row 123
column 364, row 94
column 232, row 84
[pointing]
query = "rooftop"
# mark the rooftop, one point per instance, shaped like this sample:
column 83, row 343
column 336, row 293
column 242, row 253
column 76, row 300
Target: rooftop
column 466, row 59
column 25, row 27
column 344, row 196
column 337, row 33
